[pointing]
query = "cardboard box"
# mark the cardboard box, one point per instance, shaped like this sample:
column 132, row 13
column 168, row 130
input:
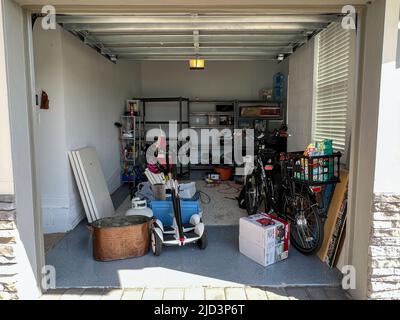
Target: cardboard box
column 260, row 111
column 264, row 238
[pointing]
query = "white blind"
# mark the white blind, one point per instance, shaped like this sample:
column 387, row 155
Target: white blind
column 332, row 83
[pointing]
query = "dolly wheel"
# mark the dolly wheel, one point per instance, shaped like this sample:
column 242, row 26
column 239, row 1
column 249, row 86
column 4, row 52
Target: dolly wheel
column 203, row 241
column 156, row 244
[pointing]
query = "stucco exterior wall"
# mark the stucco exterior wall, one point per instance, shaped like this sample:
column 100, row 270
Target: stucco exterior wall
column 384, row 250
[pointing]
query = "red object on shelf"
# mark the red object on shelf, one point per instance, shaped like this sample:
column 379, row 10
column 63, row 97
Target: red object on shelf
column 265, row 112
column 261, row 111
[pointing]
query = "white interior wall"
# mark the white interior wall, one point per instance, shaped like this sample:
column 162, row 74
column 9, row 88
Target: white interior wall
column 53, row 167
column 219, row 79
column 87, row 94
column 96, row 91
column 300, row 96
column 230, row 80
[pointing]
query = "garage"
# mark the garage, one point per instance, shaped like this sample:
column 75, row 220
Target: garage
column 35, row 143
column 115, row 83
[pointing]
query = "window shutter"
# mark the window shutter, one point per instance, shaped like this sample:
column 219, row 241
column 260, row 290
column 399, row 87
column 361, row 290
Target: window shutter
column 332, row 83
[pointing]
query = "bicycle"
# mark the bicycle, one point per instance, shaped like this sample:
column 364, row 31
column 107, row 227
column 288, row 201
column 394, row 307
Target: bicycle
column 287, row 184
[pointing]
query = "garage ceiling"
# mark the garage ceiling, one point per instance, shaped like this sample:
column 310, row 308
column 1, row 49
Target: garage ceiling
column 185, row 36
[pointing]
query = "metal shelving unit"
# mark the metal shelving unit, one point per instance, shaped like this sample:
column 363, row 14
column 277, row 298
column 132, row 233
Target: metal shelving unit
column 188, row 121
column 254, row 119
column 181, row 103
column 131, row 139
column 207, row 115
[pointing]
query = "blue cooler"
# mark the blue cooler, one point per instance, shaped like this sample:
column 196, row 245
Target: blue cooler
column 164, row 211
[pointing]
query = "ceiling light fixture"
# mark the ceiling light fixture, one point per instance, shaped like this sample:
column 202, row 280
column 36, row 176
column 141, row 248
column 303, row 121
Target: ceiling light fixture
column 281, row 57
column 197, row 64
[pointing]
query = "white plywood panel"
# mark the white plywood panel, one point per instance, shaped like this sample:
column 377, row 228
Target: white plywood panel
column 85, row 188
column 95, row 182
column 87, row 204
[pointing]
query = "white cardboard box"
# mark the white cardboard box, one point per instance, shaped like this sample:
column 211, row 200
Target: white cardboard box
column 264, row 238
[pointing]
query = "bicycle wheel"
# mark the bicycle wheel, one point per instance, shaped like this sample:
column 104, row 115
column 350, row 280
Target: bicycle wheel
column 306, row 229
column 252, row 194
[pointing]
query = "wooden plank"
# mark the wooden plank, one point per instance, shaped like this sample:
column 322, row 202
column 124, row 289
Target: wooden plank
column 334, row 210
column 95, row 182
column 87, row 205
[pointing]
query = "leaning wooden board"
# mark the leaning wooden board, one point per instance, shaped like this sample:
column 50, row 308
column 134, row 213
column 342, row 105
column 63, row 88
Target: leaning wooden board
column 334, row 211
column 95, row 182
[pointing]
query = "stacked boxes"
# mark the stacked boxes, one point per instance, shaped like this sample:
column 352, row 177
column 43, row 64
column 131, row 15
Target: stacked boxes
column 264, row 238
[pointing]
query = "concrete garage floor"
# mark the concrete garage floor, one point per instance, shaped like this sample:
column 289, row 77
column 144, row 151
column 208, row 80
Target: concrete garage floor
column 220, row 265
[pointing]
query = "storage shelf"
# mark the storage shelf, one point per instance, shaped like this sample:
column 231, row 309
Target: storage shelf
column 260, row 101
column 130, row 145
column 131, row 139
column 262, row 118
column 213, row 101
column 189, row 114
column 131, row 117
column 212, row 126
column 170, row 99
column 212, row 113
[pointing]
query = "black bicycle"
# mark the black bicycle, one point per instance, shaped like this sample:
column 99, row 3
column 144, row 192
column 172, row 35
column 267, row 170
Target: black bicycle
column 287, row 184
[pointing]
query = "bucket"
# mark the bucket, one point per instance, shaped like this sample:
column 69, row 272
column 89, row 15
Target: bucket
column 224, row 172
column 159, row 192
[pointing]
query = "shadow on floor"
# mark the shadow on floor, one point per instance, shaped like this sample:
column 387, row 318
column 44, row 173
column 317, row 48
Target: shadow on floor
column 51, row 240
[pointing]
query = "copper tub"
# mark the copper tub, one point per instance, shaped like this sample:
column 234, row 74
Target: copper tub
column 117, row 238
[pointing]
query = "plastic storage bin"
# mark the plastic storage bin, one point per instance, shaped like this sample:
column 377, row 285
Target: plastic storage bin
column 317, row 170
column 164, row 211
column 187, row 190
